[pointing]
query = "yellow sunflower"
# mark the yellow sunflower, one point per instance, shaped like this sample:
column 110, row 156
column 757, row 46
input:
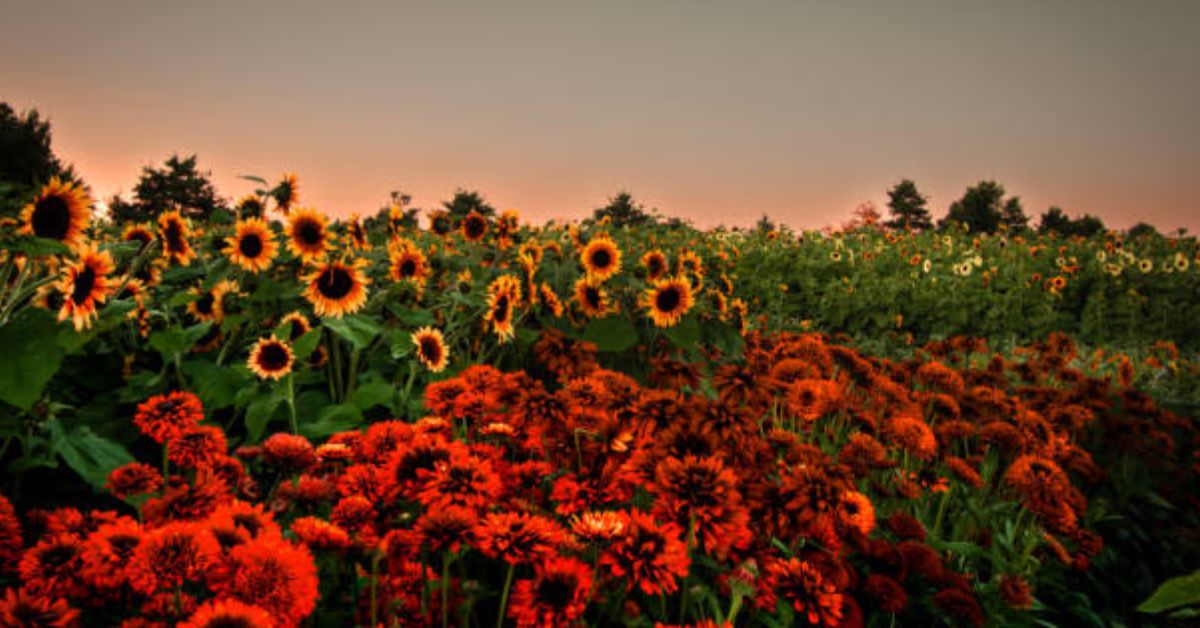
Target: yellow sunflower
column 474, row 227
column 655, row 263
column 298, row 325
column 210, row 304
column 431, row 348
column 592, row 298
column 503, row 294
column 440, row 223
column 84, row 286
column 174, row 232
column 667, row 300
column 601, row 258
column 550, row 300
column 307, row 237
column 287, row 193
column 138, row 232
column 270, row 358
column 250, row 206
column 407, row 262
column 337, row 288
column 357, row 235
column 61, row 211
column 690, row 263
column 252, row 246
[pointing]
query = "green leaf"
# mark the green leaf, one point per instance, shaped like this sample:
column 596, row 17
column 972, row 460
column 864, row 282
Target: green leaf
column 371, row 394
column 259, row 413
column 402, row 343
column 357, row 330
column 725, row 337
column 685, row 335
column 91, row 456
column 333, row 419
column 411, row 317
column 35, row 247
column 610, row 334
column 1173, row 594
column 216, row 386
column 31, row 358
column 306, row 344
column 174, row 341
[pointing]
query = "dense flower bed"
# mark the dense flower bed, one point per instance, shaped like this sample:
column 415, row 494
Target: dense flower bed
column 806, row 484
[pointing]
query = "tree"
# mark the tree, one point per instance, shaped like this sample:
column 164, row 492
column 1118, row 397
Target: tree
column 26, row 159
column 465, row 202
column 865, row 216
column 622, row 211
column 178, row 184
column 1013, row 216
column 980, row 208
column 1142, row 230
column 764, row 224
column 1057, row 221
column 907, row 207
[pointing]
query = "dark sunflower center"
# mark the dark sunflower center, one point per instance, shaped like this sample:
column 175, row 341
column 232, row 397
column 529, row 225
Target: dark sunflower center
column 592, row 295
column 556, row 591
column 656, row 265
column 51, row 218
column 335, row 283
column 309, row 232
column 431, row 349
column 668, row 299
column 250, row 246
column 174, row 235
column 408, row 268
column 500, row 313
column 297, row 329
column 273, row 357
column 229, row 621
column 441, row 225
column 139, row 236
column 601, row 259
column 205, row 303
column 475, row 227
column 85, row 281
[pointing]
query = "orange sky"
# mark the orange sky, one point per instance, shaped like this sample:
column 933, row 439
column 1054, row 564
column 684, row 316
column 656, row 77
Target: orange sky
column 717, row 112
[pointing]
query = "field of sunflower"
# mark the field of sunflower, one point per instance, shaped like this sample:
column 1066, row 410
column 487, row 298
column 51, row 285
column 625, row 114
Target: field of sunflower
column 274, row 418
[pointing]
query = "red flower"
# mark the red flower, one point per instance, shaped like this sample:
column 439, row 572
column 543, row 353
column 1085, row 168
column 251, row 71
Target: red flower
column 648, row 556
column 319, row 534
column 446, row 529
column 1015, row 591
column 22, row 608
column 802, row 585
column 134, row 478
column 10, row 536
column 196, row 447
column 886, row 593
column 960, row 607
column 164, row 416
column 172, row 555
column 556, row 596
column 461, row 480
column 107, row 553
column 702, row 493
column 289, row 451
column 228, row 613
column 519, row 538
column 273, row 574
column 51, row 568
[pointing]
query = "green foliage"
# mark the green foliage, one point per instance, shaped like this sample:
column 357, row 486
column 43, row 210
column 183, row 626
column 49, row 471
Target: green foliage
column 177, row 184
column 26, row 159
column 908, row 207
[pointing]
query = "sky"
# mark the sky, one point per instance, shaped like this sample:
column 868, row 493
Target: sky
column 717, row 112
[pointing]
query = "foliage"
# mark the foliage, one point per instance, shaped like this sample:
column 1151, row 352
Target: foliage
column 177, row 184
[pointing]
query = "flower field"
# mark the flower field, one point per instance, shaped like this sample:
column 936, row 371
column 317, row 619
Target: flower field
column 271, row 417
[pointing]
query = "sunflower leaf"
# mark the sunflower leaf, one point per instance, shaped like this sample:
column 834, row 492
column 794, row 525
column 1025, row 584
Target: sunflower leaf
column 32, row 358
column 610, row 334
column 90, row 455
column 357, row 330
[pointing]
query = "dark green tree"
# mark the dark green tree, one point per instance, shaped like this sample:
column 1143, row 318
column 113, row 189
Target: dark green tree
column 1013, row 215
column 622, row 211
column 1088, row 225
column 980, row 210
column 178, row 184
column 1055, row 220
column 907, row 207
column 1142, row 230
column 465, row 202
column 26, row 159
column 764, row 224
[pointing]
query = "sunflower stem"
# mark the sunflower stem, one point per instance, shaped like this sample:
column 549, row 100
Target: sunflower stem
column 445, row 588
column 291, row 402
column 512, row 567
column 374, row 585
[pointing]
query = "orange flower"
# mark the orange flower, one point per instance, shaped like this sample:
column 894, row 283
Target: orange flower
column 474, row 227
column 273, row 574
column 227, row 612
column 655, row 263
column 336, row 288
column 855, row 512
column 556, row 596
column 196, row 447
column 810, row 594
column 85, row 285
column 22, row 608
column 252, row 246
column 61, row 211
column 170, row 556
column 647, row 556
column 601, row 258
column 164, row 416
column 519, row 538
column 431, row 349
column 667, row 300
column 173, row 231
column 308, row 238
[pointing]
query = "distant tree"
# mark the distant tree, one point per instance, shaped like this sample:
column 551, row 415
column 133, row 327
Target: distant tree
column 864, row 216
column 1013, row 216
column 1055, row 220
column 980, row 209
column 765, row 224
column 26, row 159
column 465, row 202
column 622, row 211
column 177, row 184
column 1141, row 230
column 907, row 207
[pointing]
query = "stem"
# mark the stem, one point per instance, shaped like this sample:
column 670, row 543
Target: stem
column 445, row 588
column 512, row 567
column 941, row 512
column 291, row 401
column 374, row 586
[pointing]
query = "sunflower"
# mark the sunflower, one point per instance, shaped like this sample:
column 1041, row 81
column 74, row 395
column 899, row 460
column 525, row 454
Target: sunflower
column 440, row 223
column 138, row 232
column 173, row 230
column 85, row 285
column 690, row 263
column 668, row 300
column 592, row 298
column 550, row 300
column 250, row 206
column 270, row 358
column 337, row 288
column 655, row 263
column 499, row 314
column 286, row 193
column 601, row 258
column 408, row 263
column 210, row 304
column 431, row 348
column 307, row 237
column 61, row 211
column 298, row 325
column 252, row 246
column 357, row 235
column 474, row 227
